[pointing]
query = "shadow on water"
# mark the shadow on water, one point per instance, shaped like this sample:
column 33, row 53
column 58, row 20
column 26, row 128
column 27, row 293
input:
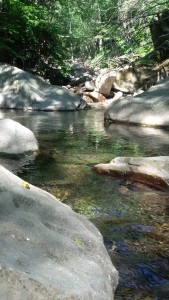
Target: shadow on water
column 133, row 219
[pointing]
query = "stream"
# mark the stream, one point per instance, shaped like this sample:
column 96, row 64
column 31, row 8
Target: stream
column 133, row 219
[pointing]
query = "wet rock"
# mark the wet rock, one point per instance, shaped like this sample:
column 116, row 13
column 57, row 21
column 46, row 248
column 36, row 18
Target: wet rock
column 152, row 171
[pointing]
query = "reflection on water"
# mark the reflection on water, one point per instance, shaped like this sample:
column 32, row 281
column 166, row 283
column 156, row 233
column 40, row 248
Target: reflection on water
column 133, row 219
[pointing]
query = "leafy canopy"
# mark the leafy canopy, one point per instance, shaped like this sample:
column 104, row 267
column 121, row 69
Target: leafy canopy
column 58, row 30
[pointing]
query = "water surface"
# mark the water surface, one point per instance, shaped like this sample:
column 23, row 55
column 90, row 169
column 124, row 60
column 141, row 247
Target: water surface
column 133, row 219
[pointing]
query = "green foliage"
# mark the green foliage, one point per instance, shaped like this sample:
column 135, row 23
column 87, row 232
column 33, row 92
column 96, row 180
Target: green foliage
column 102, row 30
column 26, row 34
column 55, row 30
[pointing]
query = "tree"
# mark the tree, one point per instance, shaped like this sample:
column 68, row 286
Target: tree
column 29, row 32
column 58, row 30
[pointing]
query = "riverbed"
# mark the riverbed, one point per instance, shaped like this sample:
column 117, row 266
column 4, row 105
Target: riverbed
column 133, row 219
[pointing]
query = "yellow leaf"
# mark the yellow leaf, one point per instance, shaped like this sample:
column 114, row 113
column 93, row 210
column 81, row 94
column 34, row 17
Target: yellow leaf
column 25, row 185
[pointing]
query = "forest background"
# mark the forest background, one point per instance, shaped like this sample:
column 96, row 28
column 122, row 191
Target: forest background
column 59, row 31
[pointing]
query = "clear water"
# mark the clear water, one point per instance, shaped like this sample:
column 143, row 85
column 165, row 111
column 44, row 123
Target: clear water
column 133, row 219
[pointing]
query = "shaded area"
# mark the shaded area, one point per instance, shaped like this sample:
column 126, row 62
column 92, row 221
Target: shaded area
column 22, row 90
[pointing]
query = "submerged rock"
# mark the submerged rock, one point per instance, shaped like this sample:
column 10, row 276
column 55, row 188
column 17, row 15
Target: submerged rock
column 153, row 171
column 15, row 138
column 47, row 250
column 21, row 90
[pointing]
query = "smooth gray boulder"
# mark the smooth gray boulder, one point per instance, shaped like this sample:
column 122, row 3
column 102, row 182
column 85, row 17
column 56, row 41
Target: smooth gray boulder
column 153, row 171
column 150, row 108
column 21, row 90
column 16, row 138
column 47, row 250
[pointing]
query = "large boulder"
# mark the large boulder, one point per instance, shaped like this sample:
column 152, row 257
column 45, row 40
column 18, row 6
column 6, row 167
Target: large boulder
column 15, row 138
column 153, row 171
column 47, row 250
column 128, row 80
column 150, row 108
column 104, row 82
column 21, row 90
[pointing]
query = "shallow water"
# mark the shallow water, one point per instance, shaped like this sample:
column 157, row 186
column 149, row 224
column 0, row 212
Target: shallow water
column 133, row 219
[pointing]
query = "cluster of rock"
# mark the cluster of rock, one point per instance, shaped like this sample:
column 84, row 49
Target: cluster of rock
column 149, row 109
column 98, row 85
column 22, row 90
column 47, row 250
